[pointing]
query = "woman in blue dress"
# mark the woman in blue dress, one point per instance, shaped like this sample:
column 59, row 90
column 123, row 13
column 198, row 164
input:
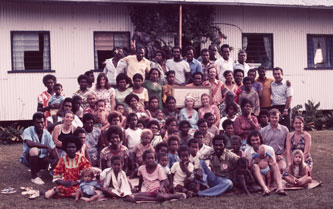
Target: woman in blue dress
column 189, row 113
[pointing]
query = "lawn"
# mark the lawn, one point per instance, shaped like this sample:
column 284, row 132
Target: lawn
column 16, row 175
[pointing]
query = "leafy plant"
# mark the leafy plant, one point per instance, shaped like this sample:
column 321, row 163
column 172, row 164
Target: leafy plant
column 11, row 134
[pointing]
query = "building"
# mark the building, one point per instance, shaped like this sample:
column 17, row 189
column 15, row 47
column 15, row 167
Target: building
column 67, row 38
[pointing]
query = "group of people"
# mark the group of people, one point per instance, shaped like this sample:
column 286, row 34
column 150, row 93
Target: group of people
column 126, row 126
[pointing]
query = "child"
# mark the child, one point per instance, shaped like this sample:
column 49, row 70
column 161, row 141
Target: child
column 204, row 150
column 184, row 127
column 171, row 127
column 154, row 126
column 91, row 101
column 263, row 118
column 79, row 132
column 193, row 145
column 83, row 92
column 114, row 180
column 228, row 127
column 151, row 175
column 91, row 77
column 167, row 88
column 161, row 148
column 141, row 124
column 242, row 177
column 138, row 90
column 160, row 118
column 101, row 115
column 207, row 136
column 132, row 133
column 138, row 150
column 87, row 190
column 236, row 142
column 77, row 108
column 182, row 172
column 263, row 159
column 56, row 99
column 163, row 160
column 211, row 127
column 121, row 109
column 173, row 143
column 114, row 136
column 298, row 174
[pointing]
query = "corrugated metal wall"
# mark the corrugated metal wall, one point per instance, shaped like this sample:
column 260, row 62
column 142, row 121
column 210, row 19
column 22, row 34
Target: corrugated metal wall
column 71, row 27
column 289, row 27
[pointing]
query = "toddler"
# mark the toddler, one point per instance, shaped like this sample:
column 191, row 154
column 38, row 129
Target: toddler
column 160, row 118
column 88, row 187
column 173, row 143
column 101, row 115
column 154, row 126
column 263, row 159
column 138, row 150
column 56, row 99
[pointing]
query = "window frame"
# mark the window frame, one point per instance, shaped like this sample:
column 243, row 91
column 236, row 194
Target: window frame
column 12, row 33
column 311, row 35
column 111, row 32
column 271, row 35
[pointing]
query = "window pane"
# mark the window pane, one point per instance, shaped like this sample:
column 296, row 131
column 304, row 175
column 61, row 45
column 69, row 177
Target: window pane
column 320, row 51
column 259, row 49
column 105, row 42
column 31, row 51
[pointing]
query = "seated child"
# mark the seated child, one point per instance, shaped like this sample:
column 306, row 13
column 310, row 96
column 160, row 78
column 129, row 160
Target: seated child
column 114, row 180
column 161, row 148
column 154, row 126
column 160, row 118
column 91, row 104
column 228, row 127
column 121, row 109
column 114, row 136
column 152, row 177
column 298, row 174
column 141, row 124
column 263, row 159
column 182, row 172
column 184, row 127
column 242, row 177
column 211, row 127
column 163, row 160
column 170, row 127
column 56, row 99
column 204, row 150
column 207, row 136
column 132, row 133
column 173, row 143
column 101, row 115
column 138, row 150
column 236, row 142
column 88, row 187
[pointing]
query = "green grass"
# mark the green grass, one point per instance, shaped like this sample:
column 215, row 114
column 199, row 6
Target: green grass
column 13, row 174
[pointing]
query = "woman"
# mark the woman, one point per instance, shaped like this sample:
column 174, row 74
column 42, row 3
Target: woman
column 245, row 123
column 138, row 90
column 229, row 84
column 123, row 89
column 254, row 140
column 231, row 110
column 170, row 107
column 68, row 170
column 63, row 130
column 153, row 86
column 189, row 113
column 104, row 91
column 215, row 84
column 208, row 107
column 299, row 139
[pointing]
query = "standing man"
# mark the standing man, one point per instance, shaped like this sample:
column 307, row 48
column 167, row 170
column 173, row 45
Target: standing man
column 225, row 62
column 180, row 66
column 133, row 64
column 197, row 80
column 241, row 62
column 159, row 64
column 266, row 95
column 252, row 74
column 213, row 52
column 205, row 63
column 111, row 70
column 38, row 148
column 275, row 136
column 239, row 75
column 195, row 65
column 281, row 96
column 249, row 93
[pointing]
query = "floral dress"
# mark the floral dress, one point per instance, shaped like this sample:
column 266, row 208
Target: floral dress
column 105, row 94
column 301, row 146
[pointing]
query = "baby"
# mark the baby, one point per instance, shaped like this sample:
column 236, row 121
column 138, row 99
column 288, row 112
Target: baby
column 88, row 187
column 263, row 159
column 56, row 99
column 101, row 115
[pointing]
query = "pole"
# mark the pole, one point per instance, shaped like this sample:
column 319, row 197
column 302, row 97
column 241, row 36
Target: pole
column 180, row 25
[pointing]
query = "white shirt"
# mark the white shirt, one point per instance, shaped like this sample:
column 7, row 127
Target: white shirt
column 249, row 152
column 280, row 92
column 222, row 66
column 179, row 175
column 246, row 67
column 112, row 71
column 76, row 122
column 133, row 137
column 180, row 69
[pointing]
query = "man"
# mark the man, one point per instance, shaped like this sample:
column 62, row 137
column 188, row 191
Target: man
column 93, row 141
column 255, row 140
column 266, row 95
column 111, row 65
column 133, row 64
column 252, row 74
column 195, row 65
column 83, row 91
column 213, row 52
column 249, row 93
column 197, row 80
column 275, row 136
column 180, row 66
column 205, row 63
column 241, row 63
column 38, row 148
column 159, row 64
column 238, row 75
column 281, row 96
column 223, row 163
column 225, row 62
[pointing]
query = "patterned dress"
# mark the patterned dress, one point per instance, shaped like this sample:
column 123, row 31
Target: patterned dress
column 43, row 99
column 105, row 94
column 69, row 169
column 301, row 146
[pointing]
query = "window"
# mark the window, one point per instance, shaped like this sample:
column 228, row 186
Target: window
column 104, row 44
column 320, row 51
column 259, row 49
column 30, row 50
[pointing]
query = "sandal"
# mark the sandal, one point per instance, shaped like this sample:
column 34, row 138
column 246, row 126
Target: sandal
column 8, row 190
column 281, row 192
column 266, row 193
column 34, row 195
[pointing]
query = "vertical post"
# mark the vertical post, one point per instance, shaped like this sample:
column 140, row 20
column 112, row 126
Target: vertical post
column 180, row 25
